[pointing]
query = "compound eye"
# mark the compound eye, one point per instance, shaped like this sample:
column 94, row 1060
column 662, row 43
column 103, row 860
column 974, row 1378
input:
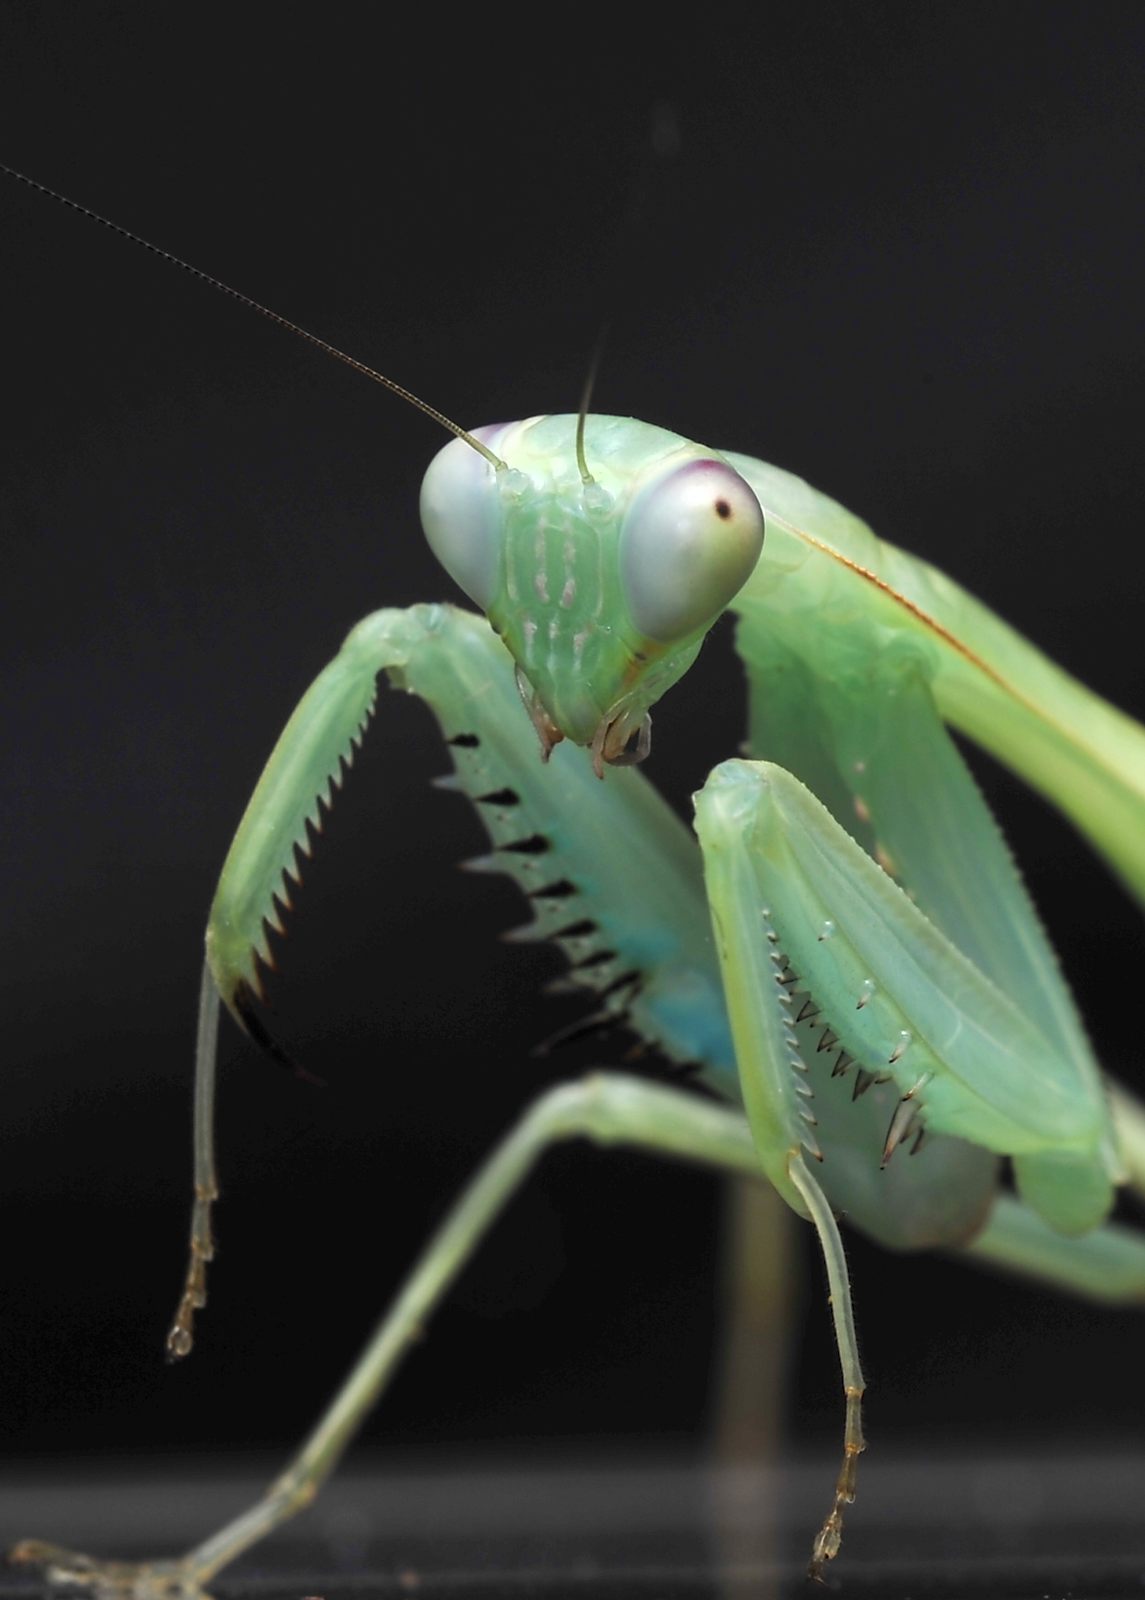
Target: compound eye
column 688, row 545
column 461, row 518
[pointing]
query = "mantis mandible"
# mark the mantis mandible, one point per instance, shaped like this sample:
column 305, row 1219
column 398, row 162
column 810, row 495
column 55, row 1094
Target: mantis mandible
column 848, row 956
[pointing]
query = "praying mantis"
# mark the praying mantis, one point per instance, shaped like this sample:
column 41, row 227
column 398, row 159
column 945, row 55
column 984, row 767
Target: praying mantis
column 848, row 992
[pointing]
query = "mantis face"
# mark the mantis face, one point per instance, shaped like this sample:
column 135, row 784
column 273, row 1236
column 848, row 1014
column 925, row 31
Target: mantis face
column 602, row 589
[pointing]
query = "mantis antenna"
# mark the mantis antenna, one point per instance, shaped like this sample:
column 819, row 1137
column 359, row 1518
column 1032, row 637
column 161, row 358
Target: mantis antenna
column 585, row 399
column 273, row 316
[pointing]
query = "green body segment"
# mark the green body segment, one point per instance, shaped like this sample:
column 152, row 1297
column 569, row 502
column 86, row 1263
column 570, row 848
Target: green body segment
column 831, row 928
column 855, row 655
column 893, row 992
column 300, row 778
column 569, row 841
column 1106, row 1265
column 613, row 876
column 832, row 933
column 773, row 1074
column 602, row 586
column 560, row 607
column 823, row 573
column 845, row 676
column 896, row 989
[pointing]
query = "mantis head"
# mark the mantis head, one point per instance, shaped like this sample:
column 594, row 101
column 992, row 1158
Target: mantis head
column 602, row 586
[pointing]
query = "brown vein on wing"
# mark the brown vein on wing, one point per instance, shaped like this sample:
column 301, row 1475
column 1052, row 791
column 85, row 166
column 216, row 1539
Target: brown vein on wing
column 912, row 606
column 1070, row 735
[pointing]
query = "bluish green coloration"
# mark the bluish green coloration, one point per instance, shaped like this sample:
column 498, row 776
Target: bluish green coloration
column 602, row 590
column 861, row 990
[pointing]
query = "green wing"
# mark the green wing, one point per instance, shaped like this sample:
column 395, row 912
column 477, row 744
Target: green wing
column 836, row 593
column 853, row 664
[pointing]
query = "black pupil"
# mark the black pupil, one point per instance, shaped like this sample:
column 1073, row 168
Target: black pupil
column 723, row 510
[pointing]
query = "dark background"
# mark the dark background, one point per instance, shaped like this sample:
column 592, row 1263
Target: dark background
column 898, row 249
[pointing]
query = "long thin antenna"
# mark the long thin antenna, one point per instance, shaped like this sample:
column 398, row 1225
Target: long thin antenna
column 263, row 311
column 585, row 400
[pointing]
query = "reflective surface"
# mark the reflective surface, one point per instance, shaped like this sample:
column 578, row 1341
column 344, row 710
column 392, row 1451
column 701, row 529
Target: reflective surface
column 998, row 1526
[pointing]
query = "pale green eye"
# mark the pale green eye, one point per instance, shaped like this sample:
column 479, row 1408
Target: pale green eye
column 688, row 545
column 461, row 516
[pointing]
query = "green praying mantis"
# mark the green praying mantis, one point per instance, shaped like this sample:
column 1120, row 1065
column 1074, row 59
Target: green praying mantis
column 845, row 949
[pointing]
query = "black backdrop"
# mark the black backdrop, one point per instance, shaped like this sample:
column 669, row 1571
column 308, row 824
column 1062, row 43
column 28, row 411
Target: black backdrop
column 898, row 249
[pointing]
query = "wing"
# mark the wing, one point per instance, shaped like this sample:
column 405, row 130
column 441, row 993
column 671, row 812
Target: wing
column 833, row 590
